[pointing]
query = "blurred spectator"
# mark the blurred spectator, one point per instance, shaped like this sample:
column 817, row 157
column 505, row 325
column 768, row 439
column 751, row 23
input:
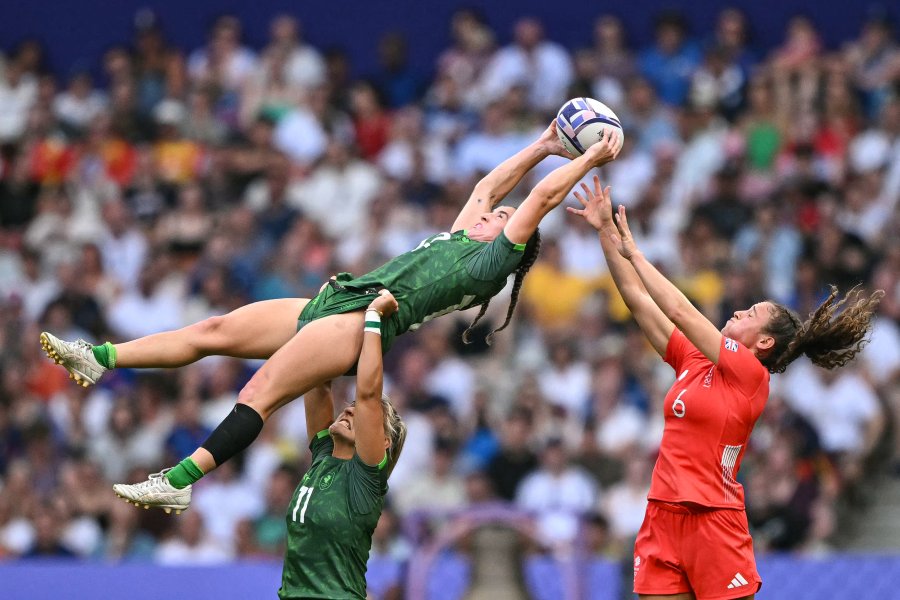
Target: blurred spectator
column 18, row 90
column 438, row 489
column 224, row 502
column 304, row 66
column 370, row 119
column 223, row 61
column 341, row 180
column 801, row 46
column 558, row 494
column 558, row 310
column 396, row 80
column 614, row 61
column 542, row 66
column 847, row 429
column 48, row 524
column 80, row 103
column 670, row 62
column 626, row 501
column 514, row 460
column 461, row 65
column 189, row 544
column 269, row 527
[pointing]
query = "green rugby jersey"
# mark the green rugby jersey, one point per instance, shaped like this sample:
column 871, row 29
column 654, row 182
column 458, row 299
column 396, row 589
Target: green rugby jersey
column 330, row 522
column 444, row 273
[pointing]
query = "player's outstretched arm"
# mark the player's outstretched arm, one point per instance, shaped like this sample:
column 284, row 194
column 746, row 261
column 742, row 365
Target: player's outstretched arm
column 318, row 404
column 494, row 187
column 369, row 415
column 597, row 210
column 675, row 305
column 553, row 189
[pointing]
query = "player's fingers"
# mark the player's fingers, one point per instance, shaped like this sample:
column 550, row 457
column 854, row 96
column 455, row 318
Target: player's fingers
column 575, row 211
column 619, row 225
column 623, row 220
column 580, row 198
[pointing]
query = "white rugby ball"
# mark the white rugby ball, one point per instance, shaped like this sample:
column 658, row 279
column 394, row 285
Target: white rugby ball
column 582, row 122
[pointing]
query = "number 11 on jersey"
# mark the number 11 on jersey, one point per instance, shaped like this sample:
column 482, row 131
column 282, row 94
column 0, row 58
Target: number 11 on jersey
column 302, row 498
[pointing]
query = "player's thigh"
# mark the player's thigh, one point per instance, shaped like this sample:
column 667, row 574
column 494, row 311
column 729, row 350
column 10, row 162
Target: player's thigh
column 323, row 350
column 256, row 330
column 685, row 596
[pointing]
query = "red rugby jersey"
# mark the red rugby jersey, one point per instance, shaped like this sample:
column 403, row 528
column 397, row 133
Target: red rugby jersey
column 710, row 411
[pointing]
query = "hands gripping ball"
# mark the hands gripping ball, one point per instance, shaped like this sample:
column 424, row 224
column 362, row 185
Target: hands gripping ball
column 582, row 122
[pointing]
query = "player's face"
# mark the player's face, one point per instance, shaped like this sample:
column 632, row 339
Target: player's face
column 342, row 428
column 490, row 224
column 746, row 326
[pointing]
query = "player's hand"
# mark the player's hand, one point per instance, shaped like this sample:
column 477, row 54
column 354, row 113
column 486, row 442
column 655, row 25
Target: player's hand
column 550, row 142
column 604, row 151
column 385, row 303
column 622, row 238
column 597, row 205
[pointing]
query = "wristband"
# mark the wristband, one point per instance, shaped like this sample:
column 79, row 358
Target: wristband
column 372, row 323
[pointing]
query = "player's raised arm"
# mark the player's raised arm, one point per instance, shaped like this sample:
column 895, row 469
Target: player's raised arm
column 494, row 186
column 553, row 188
column 675, row 305
column 371, row 442
column 318, row 404
column 597, row 210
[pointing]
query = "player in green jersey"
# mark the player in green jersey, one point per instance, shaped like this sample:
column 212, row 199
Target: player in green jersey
column 336, row 507
column 449, row 271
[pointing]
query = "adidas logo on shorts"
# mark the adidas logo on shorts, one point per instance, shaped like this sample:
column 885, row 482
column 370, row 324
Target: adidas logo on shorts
column 737, row 582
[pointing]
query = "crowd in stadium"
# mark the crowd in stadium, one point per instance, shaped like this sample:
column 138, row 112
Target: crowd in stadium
column 185, row 182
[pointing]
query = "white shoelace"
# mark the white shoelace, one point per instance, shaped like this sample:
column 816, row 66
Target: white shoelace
column 154, row 480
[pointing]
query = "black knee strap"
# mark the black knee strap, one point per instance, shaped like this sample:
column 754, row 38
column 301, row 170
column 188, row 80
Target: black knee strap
column 234, row 433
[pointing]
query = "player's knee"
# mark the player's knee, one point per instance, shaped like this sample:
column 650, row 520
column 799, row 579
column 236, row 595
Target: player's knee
column 208, row 333
column 254, row 396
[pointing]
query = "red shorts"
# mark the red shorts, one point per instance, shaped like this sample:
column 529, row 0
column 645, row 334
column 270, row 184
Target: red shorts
column 705, row 551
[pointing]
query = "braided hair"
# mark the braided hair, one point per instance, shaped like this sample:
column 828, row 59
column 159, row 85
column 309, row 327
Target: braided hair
column 529, row 256
column 832, row 335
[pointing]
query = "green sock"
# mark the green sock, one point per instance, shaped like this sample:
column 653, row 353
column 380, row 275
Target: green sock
column 184, row 473
column 105, row 355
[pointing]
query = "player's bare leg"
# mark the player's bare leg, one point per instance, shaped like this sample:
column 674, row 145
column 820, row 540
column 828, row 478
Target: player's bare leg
column 323, row 350
column 253, row 331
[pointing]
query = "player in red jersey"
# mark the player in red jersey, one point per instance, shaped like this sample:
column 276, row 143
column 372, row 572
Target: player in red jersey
column 695, row 541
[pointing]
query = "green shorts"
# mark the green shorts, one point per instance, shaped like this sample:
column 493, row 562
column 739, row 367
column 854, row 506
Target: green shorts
column 335, row 299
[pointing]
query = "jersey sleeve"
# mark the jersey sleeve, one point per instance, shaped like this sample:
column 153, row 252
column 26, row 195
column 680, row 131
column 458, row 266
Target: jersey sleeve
column 368, row 485
column 740, row 367
column 497, row 259
column 321, row 445
column 677, row 349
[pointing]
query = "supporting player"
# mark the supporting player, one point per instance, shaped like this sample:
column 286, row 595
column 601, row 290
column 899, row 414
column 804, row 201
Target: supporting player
column 446, row 272
column 336, row 507
column 695, row 541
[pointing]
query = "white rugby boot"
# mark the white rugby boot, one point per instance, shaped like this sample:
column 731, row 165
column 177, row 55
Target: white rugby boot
column 156, row 491
column 77, row 358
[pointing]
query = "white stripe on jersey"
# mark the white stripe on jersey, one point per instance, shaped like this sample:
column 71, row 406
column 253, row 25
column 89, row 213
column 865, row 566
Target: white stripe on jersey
column 729, row 459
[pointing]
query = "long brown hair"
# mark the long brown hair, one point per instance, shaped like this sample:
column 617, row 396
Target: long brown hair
column 834, row 333
column 529, row 256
